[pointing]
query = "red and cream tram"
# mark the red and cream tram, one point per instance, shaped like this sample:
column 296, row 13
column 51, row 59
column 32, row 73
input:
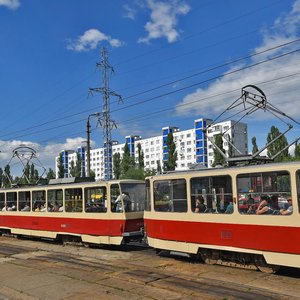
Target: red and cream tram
column 108, row 212
column 246, row 216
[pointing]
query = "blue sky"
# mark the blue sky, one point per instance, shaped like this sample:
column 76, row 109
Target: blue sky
column 49, row 51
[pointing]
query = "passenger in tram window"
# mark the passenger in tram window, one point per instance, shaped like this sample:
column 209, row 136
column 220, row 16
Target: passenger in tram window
column 38, row 206
column 55, row 207
column 289, row 210
column 274, row 202
column 50, row 207
column 5, row 208
column 200, row 207
column 43, row 207
column 251, row 209
column 126, row 200
column 26, row 207
column 265, row 206
column 229, row 208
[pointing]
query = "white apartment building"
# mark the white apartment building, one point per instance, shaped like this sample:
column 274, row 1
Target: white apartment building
column 192, row 147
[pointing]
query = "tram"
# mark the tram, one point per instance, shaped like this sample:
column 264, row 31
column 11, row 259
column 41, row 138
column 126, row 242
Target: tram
column 245, row 216
column 108, row 212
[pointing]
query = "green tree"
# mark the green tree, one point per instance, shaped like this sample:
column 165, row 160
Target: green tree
column 34, row 174
column 7, row 177
column 218, row 157
column 127, row 161
column 26, row 175
column 297, row 152
column 278, row 145
column 92, row 174
column 158, row 169
column 140, row 156
column 60, row 167
column 117, row 165
column 254, row 145
column 50, row 174
column 72, row 169
column 78, row 166
column 134, row 173
column 230, row 147
column 171, row 162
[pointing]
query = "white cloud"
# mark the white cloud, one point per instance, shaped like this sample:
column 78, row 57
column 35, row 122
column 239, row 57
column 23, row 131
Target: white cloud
column 164, row 17
column 10, row 4
column 283, row 94
column 90, row 40
column 45, row 154
column 130, row 12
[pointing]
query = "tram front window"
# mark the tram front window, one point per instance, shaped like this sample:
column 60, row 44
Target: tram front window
column 133, row 196
column 115, row 200
column 148, row 196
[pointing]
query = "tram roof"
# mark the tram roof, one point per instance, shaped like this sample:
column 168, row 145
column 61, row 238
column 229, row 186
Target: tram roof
column 231, row 168
column 87, row 181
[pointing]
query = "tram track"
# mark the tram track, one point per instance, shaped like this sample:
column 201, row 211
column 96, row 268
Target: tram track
column 127, row 272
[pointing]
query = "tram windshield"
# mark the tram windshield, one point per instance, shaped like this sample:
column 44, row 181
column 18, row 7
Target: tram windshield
column 135, row 200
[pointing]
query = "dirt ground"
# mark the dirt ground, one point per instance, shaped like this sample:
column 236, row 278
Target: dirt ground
column 34, row 269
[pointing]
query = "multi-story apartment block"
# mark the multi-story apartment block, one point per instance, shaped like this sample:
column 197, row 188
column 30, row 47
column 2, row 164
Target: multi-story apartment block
column 192, row 146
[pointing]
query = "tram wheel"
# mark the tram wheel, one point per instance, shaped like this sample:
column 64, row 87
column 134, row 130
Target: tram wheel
column 209, row 256
column 264, row 267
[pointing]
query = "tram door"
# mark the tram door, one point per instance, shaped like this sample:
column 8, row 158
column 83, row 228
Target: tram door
column 116, row 206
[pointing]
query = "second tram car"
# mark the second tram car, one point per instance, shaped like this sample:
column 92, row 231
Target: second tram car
column 108, row 212
column 246, row 216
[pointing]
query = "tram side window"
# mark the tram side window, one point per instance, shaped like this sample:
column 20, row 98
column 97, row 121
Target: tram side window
column 55, row 200
column 298, row 188
column 73, row 200
column 264, row 193
column 2, row 202
column 148, row 196
column 212, row 194
column 24, row 201
column 115, row 198
column 170, row 195
column 39, row 201
column 95, row 199
column 11, row 201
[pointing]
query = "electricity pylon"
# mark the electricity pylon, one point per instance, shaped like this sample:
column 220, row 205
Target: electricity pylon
column 105, row 120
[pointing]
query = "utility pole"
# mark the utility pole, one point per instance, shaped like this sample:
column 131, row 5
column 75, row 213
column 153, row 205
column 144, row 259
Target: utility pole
column 88, row 143
column 106, row 122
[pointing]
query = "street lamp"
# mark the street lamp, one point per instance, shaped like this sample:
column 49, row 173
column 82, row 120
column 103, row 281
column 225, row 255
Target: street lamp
column 88, row 146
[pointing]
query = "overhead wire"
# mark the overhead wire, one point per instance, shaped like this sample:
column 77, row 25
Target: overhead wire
column 179, row 80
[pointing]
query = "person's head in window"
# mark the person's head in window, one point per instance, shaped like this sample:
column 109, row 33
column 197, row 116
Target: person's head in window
column 199, row 205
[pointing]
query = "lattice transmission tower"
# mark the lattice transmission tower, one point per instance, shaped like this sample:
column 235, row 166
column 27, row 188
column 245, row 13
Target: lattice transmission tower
column 105, row 120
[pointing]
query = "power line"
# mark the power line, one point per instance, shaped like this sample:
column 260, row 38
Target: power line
column 207, row 80
column 208, row 98
column 177, row 81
